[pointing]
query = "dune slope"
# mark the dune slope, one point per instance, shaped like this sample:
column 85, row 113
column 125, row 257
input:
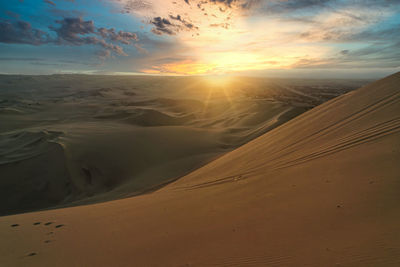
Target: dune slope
column 78, row 139
column 320, row 190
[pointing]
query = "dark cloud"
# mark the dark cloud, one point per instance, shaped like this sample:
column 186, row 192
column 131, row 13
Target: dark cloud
column 165, row 26
column 161, row 22
column 186, row 24
column 162, row 26
column 177, row 17
column 225, row 2
column 21, row 32
column 49, row 2
column 115, row 48
column 244, row 4
column 66, row 13
column 71, row 31
column 76, row 31
column 344, row 52
column 121, row 36
column 248, row 4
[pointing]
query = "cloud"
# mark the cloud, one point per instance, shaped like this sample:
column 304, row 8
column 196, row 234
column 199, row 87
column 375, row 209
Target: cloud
column 243, row 4
column 286, row 6
column 222, row 25
column 121, row 36
column 135, row 5
column 21, row 32
column 165, row 26
column 71, row 31
column 345, row 26
column 46, row 62
column 76, row 31
column 344, row 52
column 372, row 56
column 237, row 34
column 162, row 26
column 225, row 2
column 173, row 17
column 310, row 8
column 66, row 13
column 20, row 59
column 389, row 34
column 231, row 35
column 186, row 24
column 49, row 2
column 141, row 49
column 103, row 54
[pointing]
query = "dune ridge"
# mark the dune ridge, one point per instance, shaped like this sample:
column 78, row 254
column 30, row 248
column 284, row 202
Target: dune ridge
column 320, row 190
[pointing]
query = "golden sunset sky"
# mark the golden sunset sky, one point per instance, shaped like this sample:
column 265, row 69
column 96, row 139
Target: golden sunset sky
column 197, row 37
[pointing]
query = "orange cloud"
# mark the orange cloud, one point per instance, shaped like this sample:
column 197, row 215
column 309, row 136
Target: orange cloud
column 186, row 67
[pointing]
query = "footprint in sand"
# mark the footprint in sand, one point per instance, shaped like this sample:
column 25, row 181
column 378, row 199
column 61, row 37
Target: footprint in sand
column 14, row 225
column 32, row 254
column 36, row 223
column 48, row 223
column 60, row 225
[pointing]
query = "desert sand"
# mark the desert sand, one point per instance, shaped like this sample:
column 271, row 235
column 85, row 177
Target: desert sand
column 321, row 189
column 75, row 139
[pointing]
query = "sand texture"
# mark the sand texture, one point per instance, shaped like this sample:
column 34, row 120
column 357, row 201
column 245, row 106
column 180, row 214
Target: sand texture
column 320, row 190
column 75, row 139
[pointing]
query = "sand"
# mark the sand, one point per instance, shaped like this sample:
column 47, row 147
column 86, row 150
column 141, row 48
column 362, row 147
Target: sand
column 319, row 190
column 75, row 139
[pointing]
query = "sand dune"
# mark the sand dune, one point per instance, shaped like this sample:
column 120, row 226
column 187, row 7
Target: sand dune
column 74, row 139
column 320, row 190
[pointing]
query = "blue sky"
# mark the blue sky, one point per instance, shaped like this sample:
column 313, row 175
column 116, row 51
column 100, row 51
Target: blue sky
column 331, row 38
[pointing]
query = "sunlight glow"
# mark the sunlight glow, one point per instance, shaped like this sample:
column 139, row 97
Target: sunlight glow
column 218, row 81
column 222, row 37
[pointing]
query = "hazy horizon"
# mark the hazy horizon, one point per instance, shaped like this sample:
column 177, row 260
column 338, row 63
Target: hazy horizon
column 272, row 75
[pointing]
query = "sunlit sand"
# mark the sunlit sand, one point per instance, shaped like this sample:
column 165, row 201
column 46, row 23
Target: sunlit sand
column 319, row 189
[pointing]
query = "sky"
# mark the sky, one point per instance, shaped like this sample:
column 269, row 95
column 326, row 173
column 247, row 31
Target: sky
column 279, row 38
